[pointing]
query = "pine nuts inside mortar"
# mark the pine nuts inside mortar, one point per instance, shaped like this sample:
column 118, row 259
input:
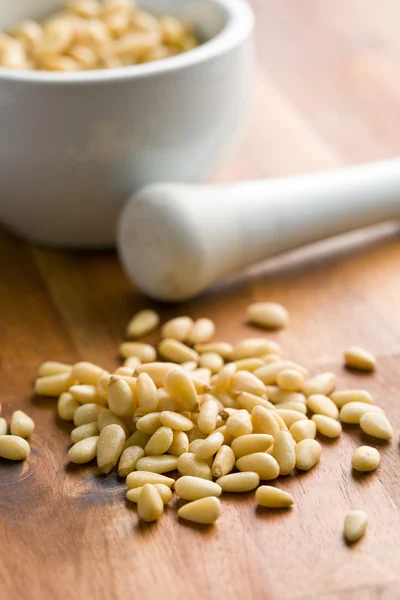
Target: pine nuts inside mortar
column 88, row 35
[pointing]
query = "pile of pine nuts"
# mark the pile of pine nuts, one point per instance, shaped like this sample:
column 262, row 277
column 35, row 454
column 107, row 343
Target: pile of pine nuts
column 89, row 34
column 224, row 416
column 14, row 446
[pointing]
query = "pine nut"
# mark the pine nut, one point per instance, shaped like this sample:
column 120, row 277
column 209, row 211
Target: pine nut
column 158, row 464
column 303, row 430
column 263, row 421
column 150, row 505
column 86, row 413
column 239, row 423
column 178, row 329
column 14, row 447
column 202, row 373
column 251, row 443
column 102, row 384
column 308, row 453
column 66, row 406
column 365, row 459
column 166, row 402
column 137, row 439
column 208, row 447
column 290, row 379
column 21, row 424
column 278, row 396
column 146, row 393
column 272, row 497
column 144, row 322
column 51, row 367
column 269, row 372
column 249, row 364
column 344, row 397
column 212, row 361
column 281, row 423
column 239, row 482
column 30, row 33
column 190, row 464
column 180, row 443
column 225, row 399
column 255, row 347
column 227, row 412
column 53, row 385
column 355, row 524
column 176, row 351
column 224, row 461
column 322, row 405
column 202, row 331
column 194, row 488
column 149, row 423
column 140, row 478
column 204, row 511
column 265, row 465
column 222, row 348
column 269, row 315
column 194, row 445
column 207, row 419
column 285, row 452
column 376, row 425
column 3, row 426
column 270, row 358
column 165, row 492
column 175, row 421
column 56, row 39
column 109, row 449
column 84, row 451
column 249, row 401
column 324, row 384
column 86, row 394
column 84, row 8
column 353, row 411
column 157, row 371
column 195, row 434
column 289, row 416
column 358, row 358
column 179, row 385
column 244, row 381
column 124, row 371
column 297, row 406
column 107, row 417
column 189, row 366
column 128, row 460
column 120, row 398
column 86, row 373
column 327, row 426
column 110, row 6
column 84, row 56
column 160, row 441
column 84, row 431
column 130, row 380
column 200, row 385
column 132, row 362
column 144, row 352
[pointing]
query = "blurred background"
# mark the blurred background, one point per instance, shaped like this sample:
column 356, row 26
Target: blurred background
column 328, row 91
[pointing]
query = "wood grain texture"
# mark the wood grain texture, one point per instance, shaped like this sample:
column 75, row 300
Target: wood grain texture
column 328, row 93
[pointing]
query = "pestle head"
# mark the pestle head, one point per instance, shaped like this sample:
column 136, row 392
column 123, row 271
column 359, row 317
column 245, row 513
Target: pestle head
column 165, row 243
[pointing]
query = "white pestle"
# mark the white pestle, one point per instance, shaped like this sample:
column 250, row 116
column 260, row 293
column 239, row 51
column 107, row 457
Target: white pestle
column 175, row 240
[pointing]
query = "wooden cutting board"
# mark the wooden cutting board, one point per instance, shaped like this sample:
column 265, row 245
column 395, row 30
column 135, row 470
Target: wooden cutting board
column 328, row 93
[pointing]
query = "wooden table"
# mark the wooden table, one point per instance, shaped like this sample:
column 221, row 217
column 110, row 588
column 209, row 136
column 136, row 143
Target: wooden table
column 328, row 93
